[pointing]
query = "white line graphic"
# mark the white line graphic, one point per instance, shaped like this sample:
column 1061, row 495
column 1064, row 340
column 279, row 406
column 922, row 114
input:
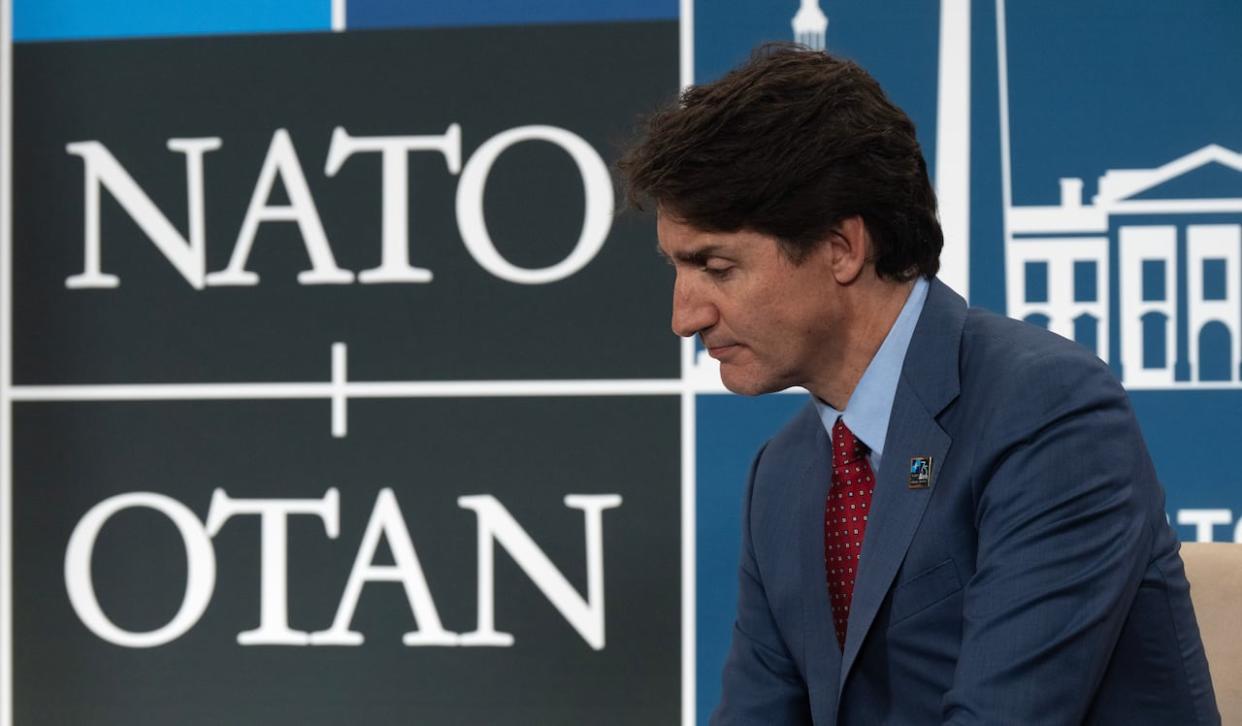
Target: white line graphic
column 6, row 406
column 1002, row 74
column 953, row 144
column 340, row 390
column 338, row 15
column 689, row 442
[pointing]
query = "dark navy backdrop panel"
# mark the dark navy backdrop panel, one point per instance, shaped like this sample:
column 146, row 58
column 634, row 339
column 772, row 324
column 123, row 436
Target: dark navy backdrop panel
column 528, row 453
column 463, row 324
column 441, row 437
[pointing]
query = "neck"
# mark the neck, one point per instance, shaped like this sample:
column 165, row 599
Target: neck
column 870, row 310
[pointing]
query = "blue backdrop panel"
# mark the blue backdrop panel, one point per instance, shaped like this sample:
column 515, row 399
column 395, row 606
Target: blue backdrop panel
column 730, row 430
column 1111, row 86
column 1143, row 95
column 896, row 42
column 72, row 19
column 1193, row 437
column 399, row 13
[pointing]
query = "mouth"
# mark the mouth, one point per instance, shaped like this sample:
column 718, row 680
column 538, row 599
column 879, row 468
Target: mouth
column 720, row 352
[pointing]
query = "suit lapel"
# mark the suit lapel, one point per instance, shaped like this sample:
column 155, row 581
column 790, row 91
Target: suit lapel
column 822, row 655
column 928, row 384
column 896, row 510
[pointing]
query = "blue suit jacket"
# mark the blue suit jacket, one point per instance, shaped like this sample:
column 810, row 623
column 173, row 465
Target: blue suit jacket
column 1036, row 581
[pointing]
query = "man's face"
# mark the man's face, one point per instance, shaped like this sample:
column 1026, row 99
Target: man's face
column 771, row 324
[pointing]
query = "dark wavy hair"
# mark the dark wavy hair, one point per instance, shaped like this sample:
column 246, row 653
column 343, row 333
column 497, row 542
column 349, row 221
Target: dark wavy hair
column 789, row 144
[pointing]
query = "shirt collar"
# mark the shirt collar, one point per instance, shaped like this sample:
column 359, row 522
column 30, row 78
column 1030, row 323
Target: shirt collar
column 870, row 405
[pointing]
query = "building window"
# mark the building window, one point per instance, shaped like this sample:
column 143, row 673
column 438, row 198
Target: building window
column 1153, row 281
column 1214, row 279
column 1215, row 352
column 1038, row 319
column 1086, row 332
column 1155, row 348
column 1085, row 272
column 1037, row 282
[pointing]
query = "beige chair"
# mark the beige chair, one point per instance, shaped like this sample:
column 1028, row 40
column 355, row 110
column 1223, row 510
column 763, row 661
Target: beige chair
column 1215, row 574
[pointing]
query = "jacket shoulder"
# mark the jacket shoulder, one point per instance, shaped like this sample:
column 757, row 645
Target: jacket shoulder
column 1017, row 378
column 988, row 332
column 1023, row 354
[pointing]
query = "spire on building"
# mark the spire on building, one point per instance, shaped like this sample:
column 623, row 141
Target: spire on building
column 810, row 25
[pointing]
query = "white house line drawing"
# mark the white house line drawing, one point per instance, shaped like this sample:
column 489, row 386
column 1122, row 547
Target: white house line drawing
column 810, row 25
column 1148, row 276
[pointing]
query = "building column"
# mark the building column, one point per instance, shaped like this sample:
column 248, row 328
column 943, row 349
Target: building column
column 1181, row 361
column 1114, row 302
column 1237, row 334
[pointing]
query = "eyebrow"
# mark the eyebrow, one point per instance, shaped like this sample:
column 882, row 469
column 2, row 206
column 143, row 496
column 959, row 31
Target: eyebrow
column 695, row 257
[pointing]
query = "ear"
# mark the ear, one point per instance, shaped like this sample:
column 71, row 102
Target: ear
column 849, row 246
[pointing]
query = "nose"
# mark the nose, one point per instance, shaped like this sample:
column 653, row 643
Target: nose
column 692, row 311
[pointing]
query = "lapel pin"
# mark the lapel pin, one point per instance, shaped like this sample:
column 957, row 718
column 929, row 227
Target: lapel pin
column 920, row 472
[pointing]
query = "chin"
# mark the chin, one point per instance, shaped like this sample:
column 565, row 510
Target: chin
column 744, row 386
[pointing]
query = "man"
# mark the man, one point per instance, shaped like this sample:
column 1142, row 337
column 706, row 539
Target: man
column 1011, row 563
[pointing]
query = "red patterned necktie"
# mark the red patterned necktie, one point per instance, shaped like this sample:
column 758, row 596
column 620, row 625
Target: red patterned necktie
column 845, row 520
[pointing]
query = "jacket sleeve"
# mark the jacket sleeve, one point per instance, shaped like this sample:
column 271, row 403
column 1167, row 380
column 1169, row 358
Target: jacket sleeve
column 761, row 683
column 1066, row 505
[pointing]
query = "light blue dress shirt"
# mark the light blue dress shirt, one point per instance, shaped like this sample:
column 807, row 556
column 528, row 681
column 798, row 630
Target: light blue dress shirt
column 868, row 410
